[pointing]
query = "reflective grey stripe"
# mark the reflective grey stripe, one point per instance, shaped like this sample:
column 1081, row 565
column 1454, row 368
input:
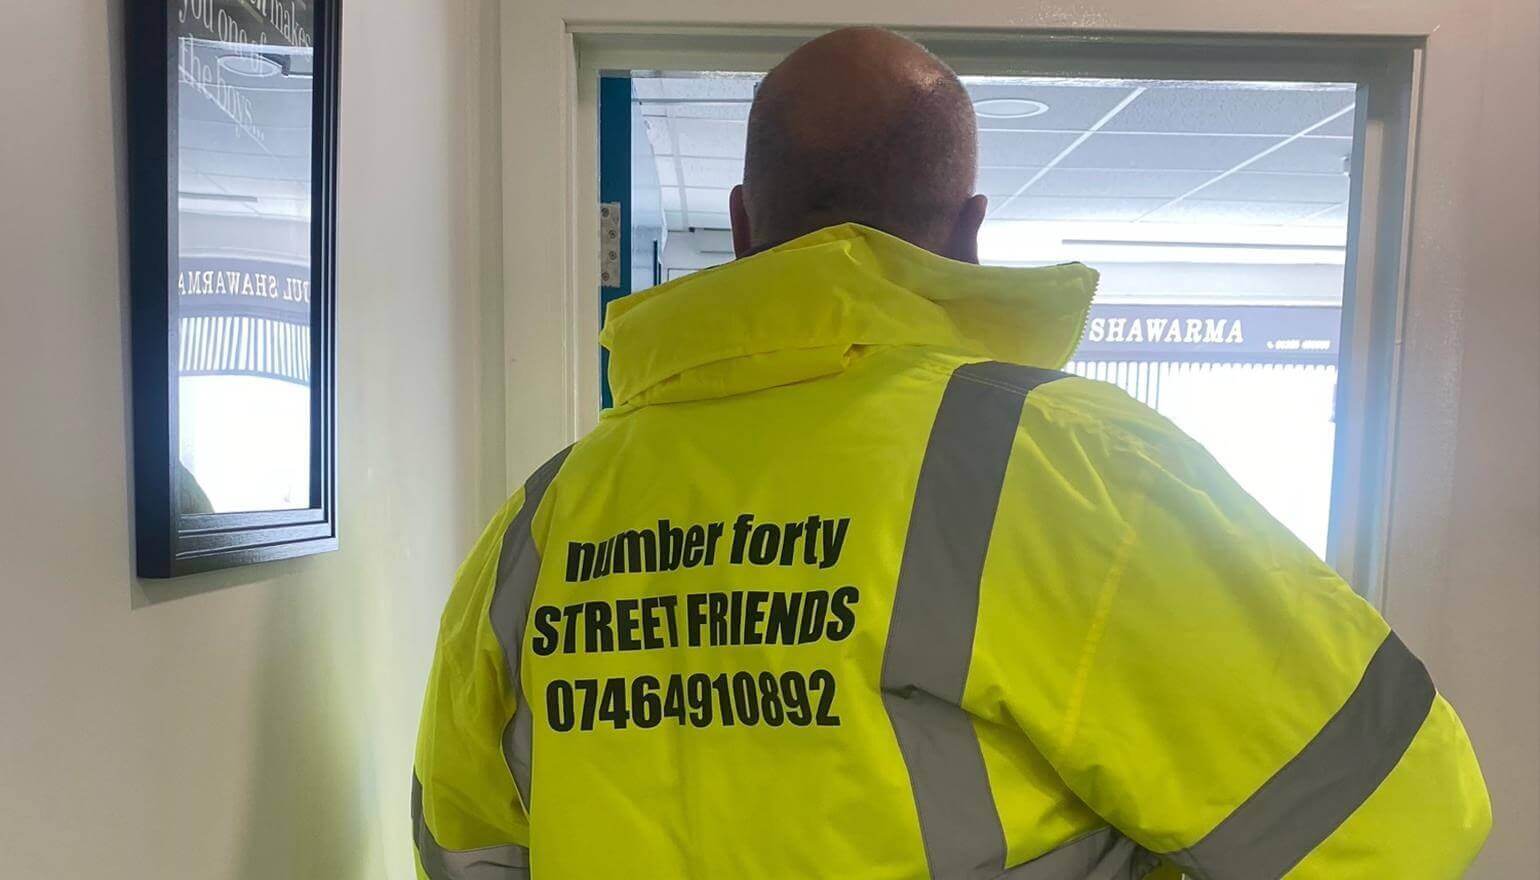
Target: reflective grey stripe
column 1100, row 855
column 1321, row 786
column 509, row 862
column 517, row 568
column 930, row 636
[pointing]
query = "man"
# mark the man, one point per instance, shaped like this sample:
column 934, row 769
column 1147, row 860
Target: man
column 851, row 583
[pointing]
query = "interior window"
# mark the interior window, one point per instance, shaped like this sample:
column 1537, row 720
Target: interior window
column 1216, row 213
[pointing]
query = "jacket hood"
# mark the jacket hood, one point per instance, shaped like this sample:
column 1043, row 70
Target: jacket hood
column 806, row 308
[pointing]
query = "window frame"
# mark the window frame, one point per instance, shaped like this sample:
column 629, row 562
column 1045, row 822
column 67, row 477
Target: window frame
column 1388, row 74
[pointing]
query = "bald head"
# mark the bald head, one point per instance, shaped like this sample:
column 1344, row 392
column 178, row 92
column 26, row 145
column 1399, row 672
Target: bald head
column 866, row 126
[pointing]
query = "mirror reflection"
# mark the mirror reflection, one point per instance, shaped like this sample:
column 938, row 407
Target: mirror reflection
column 243, row 124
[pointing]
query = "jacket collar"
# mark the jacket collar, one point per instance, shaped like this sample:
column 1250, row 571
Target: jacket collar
column 806, row 308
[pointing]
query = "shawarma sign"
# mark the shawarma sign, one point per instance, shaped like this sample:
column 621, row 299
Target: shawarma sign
column 1286, row 334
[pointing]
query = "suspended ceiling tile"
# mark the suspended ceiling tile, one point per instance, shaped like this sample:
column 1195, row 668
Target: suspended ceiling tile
column 706, row 201
column 1003, row 181
column 1266, row 187
column 1069, row 108
column 1029, row 207
column 267, row 100
column 695, row 87
column 1228, row 110
column 667, row 175
column 658, row 136
column 1177, row 153
column 1076, row 182
column 224, row 135
column 738, row 110
column 1021, row 148
column 1342, row 126
column 712, row 138
column 724, row 173
column 1324, row 155
column 644, row 87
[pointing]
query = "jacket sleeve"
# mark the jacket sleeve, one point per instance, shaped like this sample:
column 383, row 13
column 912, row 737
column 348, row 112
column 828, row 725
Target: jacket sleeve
column 467, row 817
column 1239, row 709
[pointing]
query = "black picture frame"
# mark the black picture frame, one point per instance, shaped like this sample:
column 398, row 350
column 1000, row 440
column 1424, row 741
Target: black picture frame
column 169, row 541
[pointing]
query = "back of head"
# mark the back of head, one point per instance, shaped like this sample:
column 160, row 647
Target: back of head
column 860, row 125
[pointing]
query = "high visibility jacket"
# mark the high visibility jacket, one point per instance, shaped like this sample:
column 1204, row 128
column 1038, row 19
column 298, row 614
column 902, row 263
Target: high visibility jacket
column 852, row 583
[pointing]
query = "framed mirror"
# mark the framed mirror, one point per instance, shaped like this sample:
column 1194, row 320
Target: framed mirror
column 232, row 129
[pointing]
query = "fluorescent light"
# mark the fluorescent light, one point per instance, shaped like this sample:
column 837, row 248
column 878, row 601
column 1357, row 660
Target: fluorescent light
column 249, row 64
column 1009, row 108
column 1022, row 241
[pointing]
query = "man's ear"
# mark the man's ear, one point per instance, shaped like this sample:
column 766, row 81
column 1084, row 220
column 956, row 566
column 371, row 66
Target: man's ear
column 963, row 245
column 739, row 215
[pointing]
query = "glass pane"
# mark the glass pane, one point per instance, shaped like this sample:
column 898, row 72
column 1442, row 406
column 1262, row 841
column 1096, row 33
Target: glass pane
column 1216, row 213
column 243, row 122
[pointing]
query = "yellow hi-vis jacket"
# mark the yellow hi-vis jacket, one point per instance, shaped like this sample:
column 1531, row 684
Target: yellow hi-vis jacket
column 851, row 583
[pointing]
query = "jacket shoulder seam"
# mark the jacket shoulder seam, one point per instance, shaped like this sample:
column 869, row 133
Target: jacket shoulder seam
column 1013, row 388
column 1046, row 400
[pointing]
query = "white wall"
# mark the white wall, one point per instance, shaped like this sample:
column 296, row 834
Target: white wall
column 1488, row 620
column 257, row 723
column 1465, row 539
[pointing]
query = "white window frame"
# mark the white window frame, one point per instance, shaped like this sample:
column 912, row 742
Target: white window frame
column 1387, row 72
